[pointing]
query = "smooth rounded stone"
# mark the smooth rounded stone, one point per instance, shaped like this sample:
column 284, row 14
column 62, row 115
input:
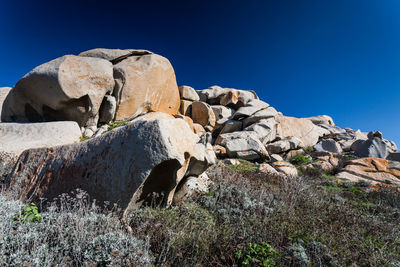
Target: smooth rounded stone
column 328, row 145
column 241, row 141
column 149, row 85
column 265, row 130
column 322, row 119
column 326, row 163
column 374, row 147
column 108, row 169
column 198, row 129
column 301, row 128
column 67, row 88
column 373, row 134
column 222, row 113
column 394, row 156
column 234, row 162
column 188, row 93
column 231, row 126
column 371, row 170
column 237, row 98
column 278, row 147
column 212, row 94
column 3, row 94
column 88, row 133
column 203, row 114
column 107, row 109
column 192, row 187
column 284, row 167
column 267, row 169
column 250, row 108
column 186, row 108
column 276, row 157
column 187, row 119
column 114, row 55
column 17, row 137
column 263, row 114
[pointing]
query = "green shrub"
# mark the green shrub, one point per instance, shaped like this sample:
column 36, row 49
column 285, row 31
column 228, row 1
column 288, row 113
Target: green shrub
column 28, row 214
column 300, row 160
column 244, row 166
column 259, row 254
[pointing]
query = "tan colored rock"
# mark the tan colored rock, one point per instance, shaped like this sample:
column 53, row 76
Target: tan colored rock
column 285, row 168
column 3, row 93
column 268, row 169
column 67, row 88
column 198, row 129
column 203, row 114
column 188, row 93
column 185, row 108
column 372, row 170
column 220, row 150
column 188, row 120
column 114, row 55
column 148, row 84
column 301, row 128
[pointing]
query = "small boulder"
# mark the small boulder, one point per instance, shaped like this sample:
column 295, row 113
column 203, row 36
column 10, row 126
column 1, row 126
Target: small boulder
column 250, row 108
column 322, row 119
column 188, row 93
column 191, row 187
column 265, row 130
column 285, row 168
column 374, row 147
column 222, row 113
column 107, row 109
column 301, row 128
column 394, row 156
column 231, row 126
column 203, row 114
column 328, row 145
column 186, row 108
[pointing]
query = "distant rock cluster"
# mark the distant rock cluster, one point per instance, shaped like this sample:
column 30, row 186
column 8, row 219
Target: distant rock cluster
column 169, row 134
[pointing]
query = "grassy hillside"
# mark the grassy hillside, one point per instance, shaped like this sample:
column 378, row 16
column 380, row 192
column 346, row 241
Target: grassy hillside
column 247, row 218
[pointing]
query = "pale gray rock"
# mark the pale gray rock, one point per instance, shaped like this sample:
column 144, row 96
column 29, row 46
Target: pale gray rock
column 322, row 119
column 248, row 155
column 278, row 147
column 234, row 162
column 234, row 98
column 262, row 114
column 250, row 108
column 102, row 129
column 240, row 142
column 285, row 168
column 391, row 146
column 107, row 109
column 142, row 162
column 188, row 93
column 231, row 126
column 276, row 157
column 268, row 169
column 265, row 130
column 328, row 145
column 17, row 137
column 3, row 94
column 333, row 130
column 374, row 147
column 67, row 88
column 191, row 187
column 222, row 113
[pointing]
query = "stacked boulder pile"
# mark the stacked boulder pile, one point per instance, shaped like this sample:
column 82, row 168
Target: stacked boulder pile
column 169, row 135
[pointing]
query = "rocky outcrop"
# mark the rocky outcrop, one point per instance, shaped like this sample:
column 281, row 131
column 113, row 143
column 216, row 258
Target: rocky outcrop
column 145, row 83
column 328, row 145
column 143, row 161
column 374, row 147
column 3, row 94
column 66, row 88
column 302, row 129
column 371, row 170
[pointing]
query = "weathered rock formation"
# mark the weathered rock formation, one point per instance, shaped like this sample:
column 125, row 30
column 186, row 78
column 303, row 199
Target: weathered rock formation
column 142, row 162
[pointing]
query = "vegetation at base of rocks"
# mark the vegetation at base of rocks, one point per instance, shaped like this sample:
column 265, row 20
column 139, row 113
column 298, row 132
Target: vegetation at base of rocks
column 245, row 166
column 303, row 219
column 116, row 124
column 308, row 150
column 261, row 254
column 29, row 213
column 72, row 233
column 300, row 159
column 84, row 138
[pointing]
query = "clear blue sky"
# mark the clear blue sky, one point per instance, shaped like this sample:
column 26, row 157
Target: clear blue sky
column 311, row 57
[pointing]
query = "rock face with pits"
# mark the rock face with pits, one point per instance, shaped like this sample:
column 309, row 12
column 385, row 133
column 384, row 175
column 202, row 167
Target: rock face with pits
column 143, row 161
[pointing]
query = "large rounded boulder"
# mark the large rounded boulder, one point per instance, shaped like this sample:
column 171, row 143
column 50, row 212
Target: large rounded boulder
column 67, row 88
